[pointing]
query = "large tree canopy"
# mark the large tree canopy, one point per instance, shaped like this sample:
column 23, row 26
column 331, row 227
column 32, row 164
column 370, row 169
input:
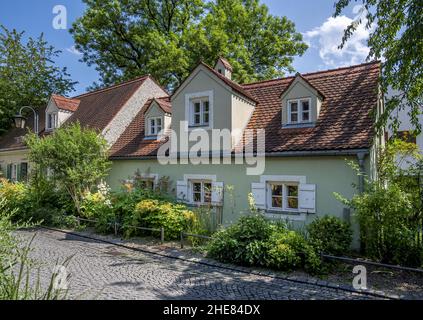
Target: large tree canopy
column 167, row 38
column 396, row 38
column 28, row 75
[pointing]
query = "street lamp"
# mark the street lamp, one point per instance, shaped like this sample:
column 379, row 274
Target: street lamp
column 20, row 120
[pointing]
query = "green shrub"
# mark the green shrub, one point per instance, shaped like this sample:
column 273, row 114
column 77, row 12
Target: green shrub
column 388, row 231
column 174, row 218
column 36, row 202
column 330, row 235
column 289, row 250
column 254, row 241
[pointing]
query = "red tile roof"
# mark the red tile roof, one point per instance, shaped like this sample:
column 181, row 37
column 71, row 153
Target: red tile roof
column 131, row 143
column 164, row 104
column 344, row 123
column 345, row 120
column 94, row 109
column 63, row 103
column 226, row 63
column 235, row 86
column 98, row 108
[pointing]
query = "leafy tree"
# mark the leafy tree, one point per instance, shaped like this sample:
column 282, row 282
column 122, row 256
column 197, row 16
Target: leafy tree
column 127, row 38
column 397, row 38
column 28, row 75
column 77, row 159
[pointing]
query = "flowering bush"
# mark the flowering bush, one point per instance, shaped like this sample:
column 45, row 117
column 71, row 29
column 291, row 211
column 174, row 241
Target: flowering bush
column 98, row 206
column 156, row 214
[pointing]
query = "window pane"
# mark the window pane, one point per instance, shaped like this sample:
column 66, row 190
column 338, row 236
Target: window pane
column 152, row 122
column 293, row 203
column 294, row 117
column 294, row 107
column 276, row 189
column 306, row 105
column 197, row 119
column 292, row 191
column 197, row 187
column 306, row 116
column 197, row 107
column 206, row 106
column 159, row 121
column 206, row 118
column 197, row 197
column 277, row 202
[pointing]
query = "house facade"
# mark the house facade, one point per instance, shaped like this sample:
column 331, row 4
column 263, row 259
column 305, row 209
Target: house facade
column 284, row 143
column 313, row 125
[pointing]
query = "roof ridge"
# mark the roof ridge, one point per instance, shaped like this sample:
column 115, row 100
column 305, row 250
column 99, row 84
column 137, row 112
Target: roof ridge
column 311, row 73
column 228, row 81
column 63, row 97
column 113, row 86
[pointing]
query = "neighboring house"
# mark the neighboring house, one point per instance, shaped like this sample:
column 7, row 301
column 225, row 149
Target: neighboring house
column 314, row 123
column 109, row 111
column 405, row 129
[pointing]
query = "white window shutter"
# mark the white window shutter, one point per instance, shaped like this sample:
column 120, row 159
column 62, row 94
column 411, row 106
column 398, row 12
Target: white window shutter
column 182, row 191
column 307, row 198
column 217, row 193
column 259, row 193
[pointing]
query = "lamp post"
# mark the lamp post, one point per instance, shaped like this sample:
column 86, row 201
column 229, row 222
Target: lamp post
column 20, row 120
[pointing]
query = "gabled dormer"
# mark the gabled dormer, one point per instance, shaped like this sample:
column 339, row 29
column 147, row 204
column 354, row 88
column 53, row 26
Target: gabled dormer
column 58, row 110
column 224, row 67
column 157, row 117
column 301, row 103
column 207, row 100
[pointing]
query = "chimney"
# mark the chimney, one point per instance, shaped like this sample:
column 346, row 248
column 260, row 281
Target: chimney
column 224, row 67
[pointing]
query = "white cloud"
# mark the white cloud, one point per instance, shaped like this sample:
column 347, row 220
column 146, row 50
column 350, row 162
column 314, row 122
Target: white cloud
column 327, row 38
column 74, row 51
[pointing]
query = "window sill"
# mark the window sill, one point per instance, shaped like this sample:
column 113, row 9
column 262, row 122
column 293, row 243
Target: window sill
column 193, row 127
column 298, row 125
column 285, row 215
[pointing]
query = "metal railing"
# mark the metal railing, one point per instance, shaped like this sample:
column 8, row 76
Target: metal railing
column 116, row 225
column 367, row 262
column 185, row 235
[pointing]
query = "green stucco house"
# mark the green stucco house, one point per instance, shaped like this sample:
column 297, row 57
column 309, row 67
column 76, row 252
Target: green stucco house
column 304, row 129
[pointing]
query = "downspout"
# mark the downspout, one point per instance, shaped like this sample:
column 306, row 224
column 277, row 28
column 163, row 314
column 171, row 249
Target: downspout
column 361, row 156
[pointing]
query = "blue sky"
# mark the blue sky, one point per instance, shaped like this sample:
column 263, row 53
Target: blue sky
column 312, row 18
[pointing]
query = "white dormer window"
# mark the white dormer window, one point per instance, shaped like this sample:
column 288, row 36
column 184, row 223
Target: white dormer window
column 155, row 125
column 51, row 121
column 299, row 111
column 200, row 112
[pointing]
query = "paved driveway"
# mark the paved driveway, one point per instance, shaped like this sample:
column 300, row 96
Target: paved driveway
column 103, row 271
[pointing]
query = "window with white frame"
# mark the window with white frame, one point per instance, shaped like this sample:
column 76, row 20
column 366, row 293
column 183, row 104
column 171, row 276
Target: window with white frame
column 299, row 111
column 51, row 121
column 200, row 112
column 155, row 125
column 282, row 196
column 201, row 191
column 147, row 183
